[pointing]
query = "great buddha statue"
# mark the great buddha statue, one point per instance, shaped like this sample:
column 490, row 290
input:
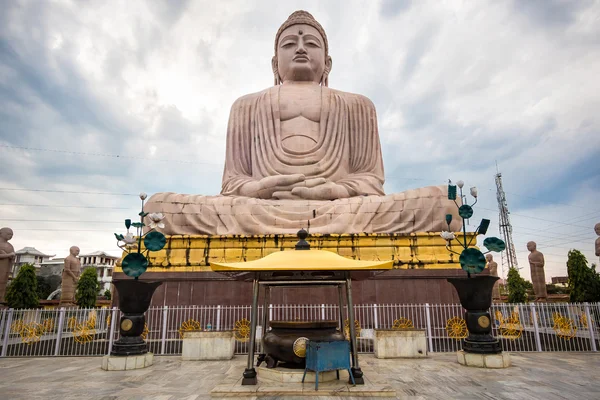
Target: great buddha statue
column 300, row 151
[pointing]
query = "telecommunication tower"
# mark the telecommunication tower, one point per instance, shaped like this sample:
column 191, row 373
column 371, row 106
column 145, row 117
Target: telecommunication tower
column 509, row 256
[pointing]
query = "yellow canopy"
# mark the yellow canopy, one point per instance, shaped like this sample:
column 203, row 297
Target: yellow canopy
column 304, row 260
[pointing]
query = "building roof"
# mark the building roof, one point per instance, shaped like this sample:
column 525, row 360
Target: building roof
column 58, row 260
column 32, row 251
column 98, row 254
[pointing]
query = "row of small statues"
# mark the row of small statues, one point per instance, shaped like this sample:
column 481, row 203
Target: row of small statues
column 70, row 274
column 72, row 268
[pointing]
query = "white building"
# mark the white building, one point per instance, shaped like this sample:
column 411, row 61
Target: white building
column 104, row 264
column 29, row 255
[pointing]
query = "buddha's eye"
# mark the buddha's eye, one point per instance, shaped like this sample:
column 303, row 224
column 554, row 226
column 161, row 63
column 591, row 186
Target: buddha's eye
column 288, row 44
column 312, row 44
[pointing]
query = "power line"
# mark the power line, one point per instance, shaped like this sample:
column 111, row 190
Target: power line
column 67, row 191
column 105, row 155
column 69, row 206
column 58, row 220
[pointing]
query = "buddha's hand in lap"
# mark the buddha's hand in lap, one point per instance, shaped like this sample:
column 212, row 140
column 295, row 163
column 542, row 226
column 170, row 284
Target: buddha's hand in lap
column 325, row 191
column 272, row 186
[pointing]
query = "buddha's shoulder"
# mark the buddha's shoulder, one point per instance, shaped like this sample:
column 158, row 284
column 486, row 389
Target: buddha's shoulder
column 250, row 98
column 353, row 98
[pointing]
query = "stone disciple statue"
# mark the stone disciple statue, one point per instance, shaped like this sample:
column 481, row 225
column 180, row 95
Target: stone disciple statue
column 493, row 266
column 597, row 229
column 538, row 277
column 301, row 151
column 70, row 276
column 7, row 259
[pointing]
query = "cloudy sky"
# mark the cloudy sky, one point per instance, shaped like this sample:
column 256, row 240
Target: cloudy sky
column 100, row 100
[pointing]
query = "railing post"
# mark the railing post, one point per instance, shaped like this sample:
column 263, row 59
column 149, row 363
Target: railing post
column 7, row 332
column 375, row 317
column 59, row 331
column 111, row 331
column 428, row 321
column 322, row 312
column 590, row 325
column 218, row 323
column 163, row 340
column 536, row 329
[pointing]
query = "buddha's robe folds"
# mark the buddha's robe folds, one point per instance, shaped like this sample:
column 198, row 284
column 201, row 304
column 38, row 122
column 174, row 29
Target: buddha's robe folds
column 347, row 153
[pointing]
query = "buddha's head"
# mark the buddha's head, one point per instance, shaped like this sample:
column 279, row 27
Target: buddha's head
column 531, row 246
column 597, row 228
column 74, row 250
column 6, row 234
column 301, row 51
column 489, row 258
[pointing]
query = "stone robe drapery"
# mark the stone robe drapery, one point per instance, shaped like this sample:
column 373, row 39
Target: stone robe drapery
column 348, row 153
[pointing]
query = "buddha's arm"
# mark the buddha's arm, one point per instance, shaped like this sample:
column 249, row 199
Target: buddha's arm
column 238, row 161
column 366, row 163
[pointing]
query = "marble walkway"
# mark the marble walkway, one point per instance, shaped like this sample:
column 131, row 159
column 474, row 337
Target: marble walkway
column 533, row 376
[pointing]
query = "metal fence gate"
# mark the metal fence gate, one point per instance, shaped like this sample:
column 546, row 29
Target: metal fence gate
column 91, row 332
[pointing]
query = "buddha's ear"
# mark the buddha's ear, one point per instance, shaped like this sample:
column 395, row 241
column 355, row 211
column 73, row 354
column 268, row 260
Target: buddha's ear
column 275, row 67
column 328, row 65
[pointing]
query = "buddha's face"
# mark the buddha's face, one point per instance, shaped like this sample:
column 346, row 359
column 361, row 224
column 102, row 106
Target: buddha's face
column 301, row 54
column 597, row 228
column 489, row 258
column 531, row 246
column 74, row 251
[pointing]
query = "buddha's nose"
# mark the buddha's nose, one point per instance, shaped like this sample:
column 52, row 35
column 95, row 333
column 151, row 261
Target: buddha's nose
column 301, row 49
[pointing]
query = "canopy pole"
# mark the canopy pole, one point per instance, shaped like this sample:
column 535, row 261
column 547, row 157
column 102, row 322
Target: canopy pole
column 250, row 372
column 341, row 308
column 356, row 371
column 265, row 323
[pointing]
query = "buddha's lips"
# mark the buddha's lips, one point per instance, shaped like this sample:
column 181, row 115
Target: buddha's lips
column 298, row 58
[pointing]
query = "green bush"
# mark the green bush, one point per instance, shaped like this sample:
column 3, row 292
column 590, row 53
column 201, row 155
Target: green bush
column 43, row 288
column 517, row 287
column 22, row 292
column 87, row 289
column 107, row 294
column 584, row 281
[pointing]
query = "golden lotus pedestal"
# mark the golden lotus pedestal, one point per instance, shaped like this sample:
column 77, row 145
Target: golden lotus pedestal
column 421, row 265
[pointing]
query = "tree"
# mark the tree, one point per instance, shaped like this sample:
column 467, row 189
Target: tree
column 584, row 281
column 517, row 287
column 107, row 294
column 22, row 292
column 43, row 288
column 87, row 289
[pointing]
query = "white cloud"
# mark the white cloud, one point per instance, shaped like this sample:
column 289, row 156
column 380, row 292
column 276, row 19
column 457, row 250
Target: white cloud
column 457, row 85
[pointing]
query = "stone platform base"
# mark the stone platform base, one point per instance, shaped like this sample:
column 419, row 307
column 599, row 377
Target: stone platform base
column 208, row 345
column 405, row 343
column 501, row 360
column 269, row 388
column 127, row 363
column 286, row 375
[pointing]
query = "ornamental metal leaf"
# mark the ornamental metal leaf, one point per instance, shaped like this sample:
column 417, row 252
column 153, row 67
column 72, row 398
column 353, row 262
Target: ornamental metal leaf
column 465, row 211
column 138, row 225
column 155, row 241
column 142, row 214
column 472, row 260
column 451, row 192
column 494, row 244
column 134, row 264
column 119, row 236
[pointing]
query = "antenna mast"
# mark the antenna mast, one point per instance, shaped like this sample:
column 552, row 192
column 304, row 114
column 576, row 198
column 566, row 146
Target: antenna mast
column 509, row 256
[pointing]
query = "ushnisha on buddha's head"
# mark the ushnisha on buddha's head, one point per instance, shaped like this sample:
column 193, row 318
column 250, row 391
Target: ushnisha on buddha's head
column 301, row 51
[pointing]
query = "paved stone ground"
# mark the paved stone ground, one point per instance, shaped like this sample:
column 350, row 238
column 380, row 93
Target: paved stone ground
column 533, row 376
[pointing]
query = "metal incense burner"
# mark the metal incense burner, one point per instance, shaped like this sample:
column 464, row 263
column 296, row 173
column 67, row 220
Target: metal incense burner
column 302, row 267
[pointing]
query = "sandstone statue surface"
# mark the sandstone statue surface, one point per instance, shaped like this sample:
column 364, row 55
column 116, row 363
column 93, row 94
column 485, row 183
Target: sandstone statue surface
column 301, row 151
column 538, row 276
column 493, row 267
column 7, row 259
column 70, row 276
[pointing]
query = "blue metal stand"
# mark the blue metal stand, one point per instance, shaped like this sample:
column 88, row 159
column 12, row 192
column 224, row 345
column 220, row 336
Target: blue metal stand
column 327, row 356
